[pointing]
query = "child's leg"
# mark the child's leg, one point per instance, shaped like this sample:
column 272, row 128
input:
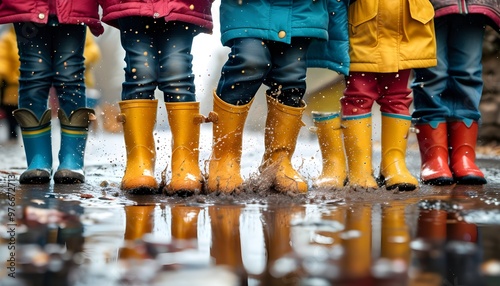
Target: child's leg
column 465, row 82
column 138, row 106
column 241, row 77
column 175, row 75
column 33, row 117
column 287, row 78
column 466, row 85
column 432, row 106
column 68, row 66
column 176, row 80
column 394, row 103
column 68, row 81
column 247, row 66
column 141, row 51
column 284, row 117
column 361, row 91
column 35, row 79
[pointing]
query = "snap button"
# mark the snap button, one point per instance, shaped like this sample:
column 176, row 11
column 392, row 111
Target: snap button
column 281, row 34
column 156, row 15
column 41, row 16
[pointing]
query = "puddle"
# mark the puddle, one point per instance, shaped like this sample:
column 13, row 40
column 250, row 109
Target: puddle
column 84, row 235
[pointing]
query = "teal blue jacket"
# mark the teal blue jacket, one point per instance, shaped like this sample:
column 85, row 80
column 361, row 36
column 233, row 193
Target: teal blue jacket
column 325, row 21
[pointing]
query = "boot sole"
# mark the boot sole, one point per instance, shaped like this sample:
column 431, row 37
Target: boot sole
column 142, row 191
column 36, row 177
column 470, row 180
column 441, row 181
column 182, row 193
column 403, row 187
column 68, row 177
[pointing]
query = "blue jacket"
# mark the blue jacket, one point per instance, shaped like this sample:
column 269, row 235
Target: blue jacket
column 279, row 20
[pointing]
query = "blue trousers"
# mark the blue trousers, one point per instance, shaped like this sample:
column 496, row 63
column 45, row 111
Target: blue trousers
column 157, row 54
column 51, row 55
column 452, row 90
column 253, row 62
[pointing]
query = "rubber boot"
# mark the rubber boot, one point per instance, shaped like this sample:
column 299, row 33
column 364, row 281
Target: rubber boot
column 283, row 124
column 185, row 120
column 433, row 144
column 331, row 144
column 462, row 142
column 139, row 118
column 393, row 170
column 37, row 145
column 225, row 161
column 74, row 131
column 358, row 147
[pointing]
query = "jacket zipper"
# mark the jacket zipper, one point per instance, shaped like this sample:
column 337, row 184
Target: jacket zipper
column 462, row 7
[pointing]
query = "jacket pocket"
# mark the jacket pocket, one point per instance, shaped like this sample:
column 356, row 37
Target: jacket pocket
column 362, row 11
column 421, row 10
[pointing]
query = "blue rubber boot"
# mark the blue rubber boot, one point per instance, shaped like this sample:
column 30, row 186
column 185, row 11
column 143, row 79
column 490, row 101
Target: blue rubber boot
column 74, row 131
column 37, row 146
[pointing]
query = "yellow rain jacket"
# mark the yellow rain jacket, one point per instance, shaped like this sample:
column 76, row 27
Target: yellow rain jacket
column 391, row 35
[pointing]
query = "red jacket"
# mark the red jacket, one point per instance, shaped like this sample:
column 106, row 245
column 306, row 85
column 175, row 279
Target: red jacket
column 37, row 11
column 197, row 12
column 489, row 8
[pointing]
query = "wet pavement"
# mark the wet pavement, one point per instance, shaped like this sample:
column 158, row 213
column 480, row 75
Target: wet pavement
column 93, row 234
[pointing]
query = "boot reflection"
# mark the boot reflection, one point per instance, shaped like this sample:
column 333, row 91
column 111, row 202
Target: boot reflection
column 356, row 239
column 395, row 236
column 445, row 251
column 185, row 222
column 392, row 267
column 463, row 255
column 139, row 221
column 41, row 242
column 277, row 223
column 226, row 241
column 427, row 262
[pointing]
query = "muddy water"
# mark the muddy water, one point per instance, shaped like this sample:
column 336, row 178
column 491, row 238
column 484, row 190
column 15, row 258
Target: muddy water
column 88, row 235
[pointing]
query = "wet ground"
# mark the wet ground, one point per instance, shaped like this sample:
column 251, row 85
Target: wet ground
column 93, row 234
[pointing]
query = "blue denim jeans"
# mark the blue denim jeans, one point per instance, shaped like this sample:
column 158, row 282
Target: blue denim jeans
column 253, row 62
column 452, row 90
column 51, row 55
column 157, row 54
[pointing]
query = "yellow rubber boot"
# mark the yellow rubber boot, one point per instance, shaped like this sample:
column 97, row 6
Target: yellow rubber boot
column 358, row 147
column 282, row 130
column 393, row 170
column 225, row 161
column 184, row 119
column 139, row 119
column 328, row 129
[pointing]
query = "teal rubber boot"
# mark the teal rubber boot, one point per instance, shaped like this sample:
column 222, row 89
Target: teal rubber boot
column 37, row 146
column 74, row 131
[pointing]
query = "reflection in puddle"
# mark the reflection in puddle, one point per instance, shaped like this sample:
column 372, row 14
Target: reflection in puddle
column 66, row 239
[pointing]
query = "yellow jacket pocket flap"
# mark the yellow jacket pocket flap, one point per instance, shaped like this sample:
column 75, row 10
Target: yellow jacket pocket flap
column 362, row 11
column 421, row 10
